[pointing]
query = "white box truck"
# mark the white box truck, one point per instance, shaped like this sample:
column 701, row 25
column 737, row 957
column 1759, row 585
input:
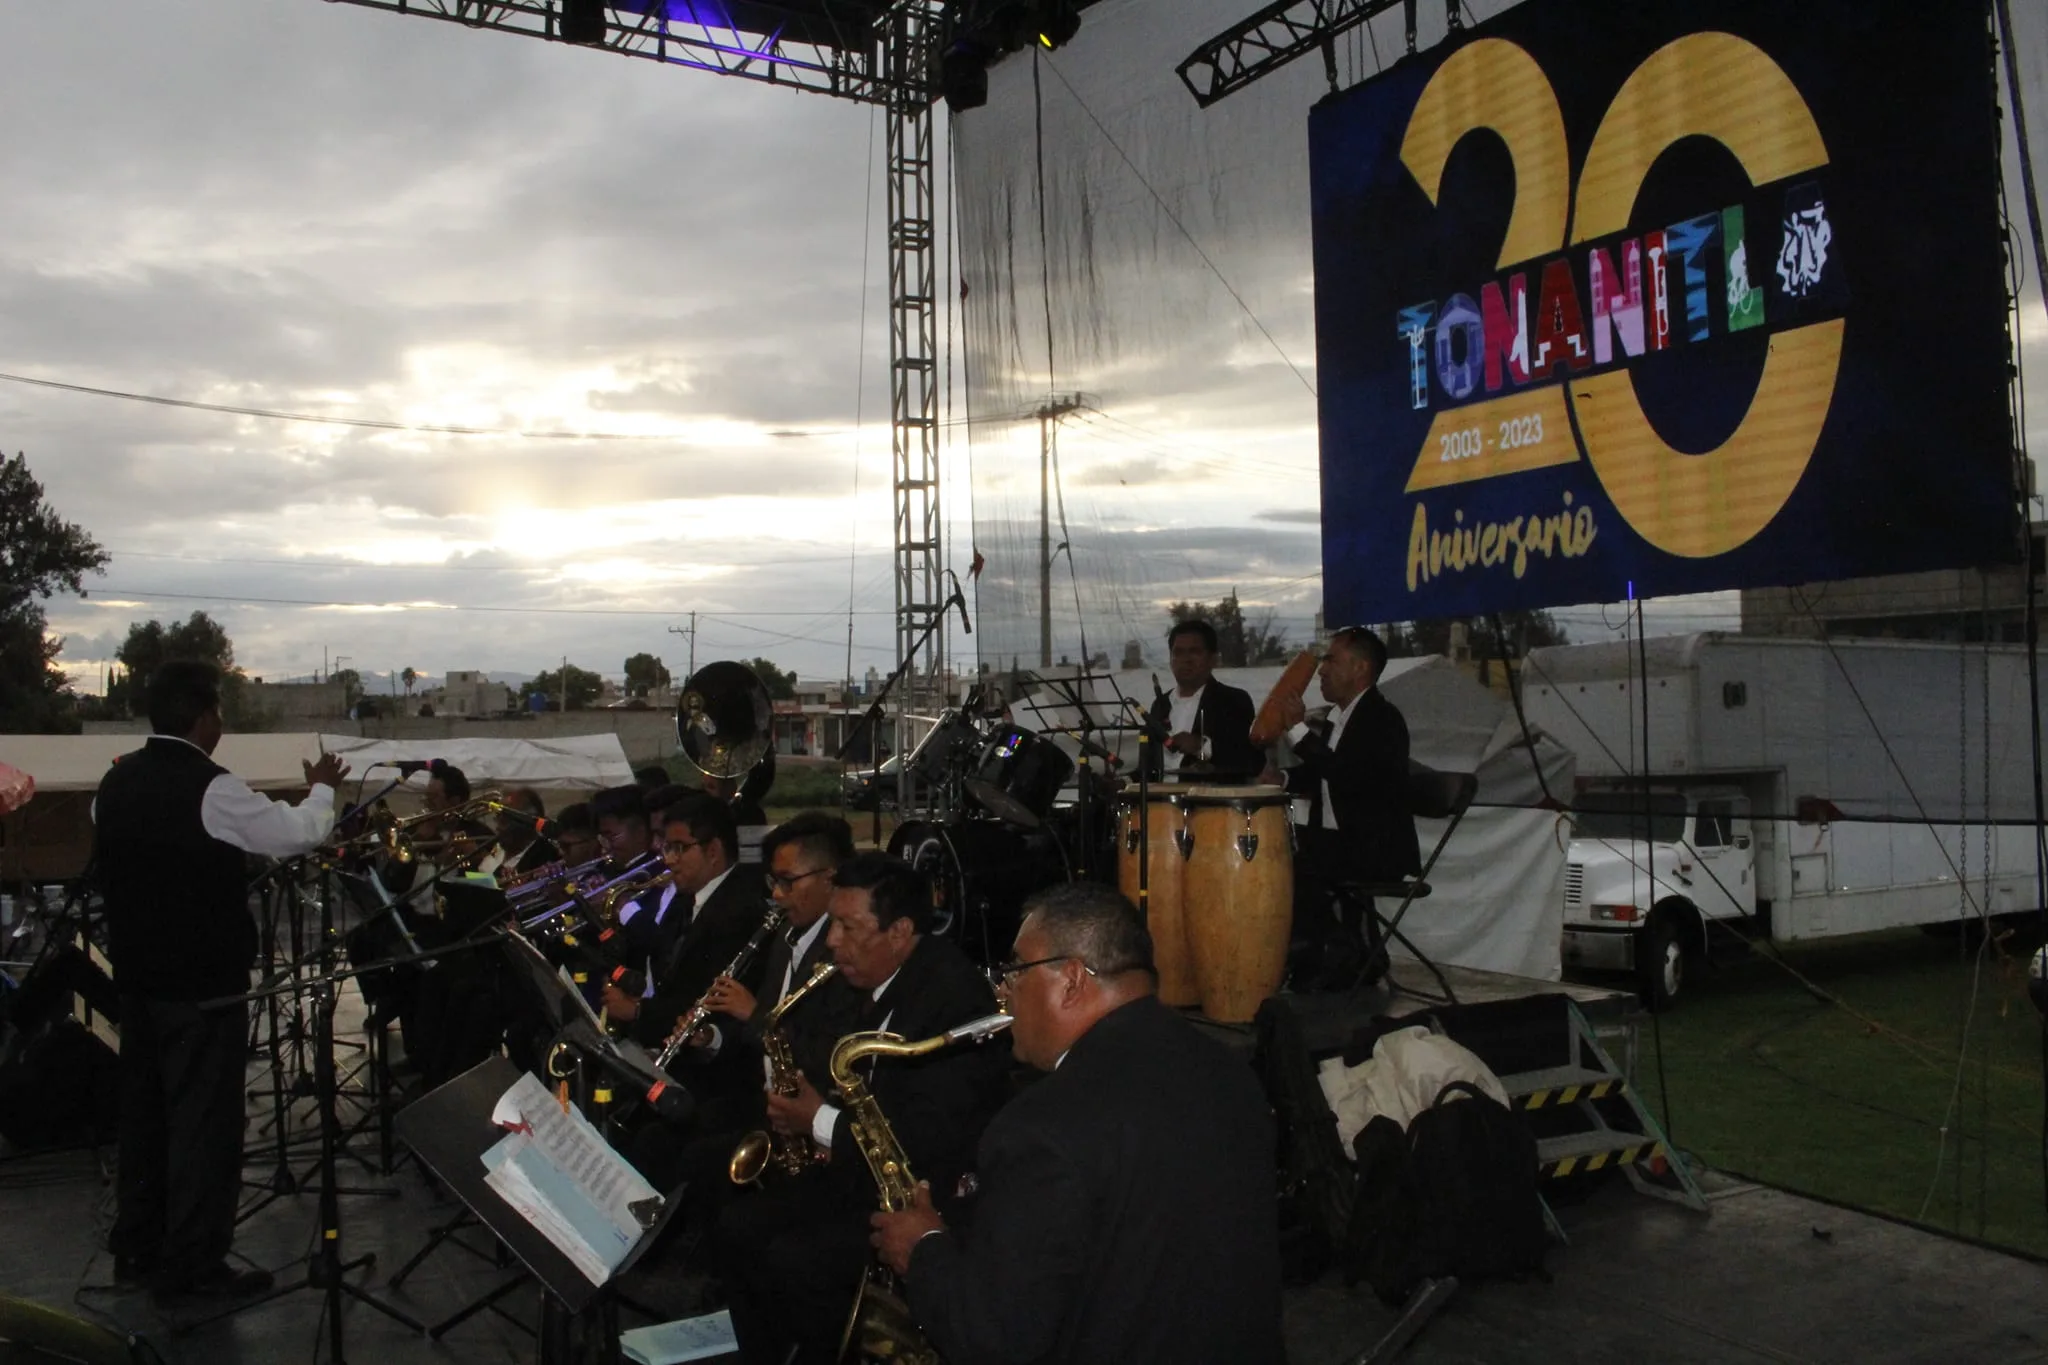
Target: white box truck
column 1797, row 789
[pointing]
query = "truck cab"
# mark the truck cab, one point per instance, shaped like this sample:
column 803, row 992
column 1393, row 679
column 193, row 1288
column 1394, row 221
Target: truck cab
column 1646, row 872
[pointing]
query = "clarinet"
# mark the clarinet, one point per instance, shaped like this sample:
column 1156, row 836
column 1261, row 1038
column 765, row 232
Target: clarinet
column 699, row 1012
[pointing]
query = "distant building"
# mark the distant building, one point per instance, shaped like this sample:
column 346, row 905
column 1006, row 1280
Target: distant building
column 281, row 704
column 468, row 692
column 1967, row 605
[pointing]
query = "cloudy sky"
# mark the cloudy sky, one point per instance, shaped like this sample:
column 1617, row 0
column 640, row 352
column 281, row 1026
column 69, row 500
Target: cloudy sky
column 323, row 209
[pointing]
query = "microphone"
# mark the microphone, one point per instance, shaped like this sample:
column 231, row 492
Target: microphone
column 408, row 766
column 960, row 601
column 540, row 826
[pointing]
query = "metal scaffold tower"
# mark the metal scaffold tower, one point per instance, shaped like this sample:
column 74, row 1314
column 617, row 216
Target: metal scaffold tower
column 913, row 348
column 882, row 52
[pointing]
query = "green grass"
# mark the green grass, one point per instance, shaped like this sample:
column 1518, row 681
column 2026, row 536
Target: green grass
column 1847, row 1101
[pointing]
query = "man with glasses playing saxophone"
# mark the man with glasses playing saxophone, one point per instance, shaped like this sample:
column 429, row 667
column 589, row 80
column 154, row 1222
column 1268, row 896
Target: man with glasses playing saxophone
column 801, row 856
column 792, row 1256
column 1125, row 1206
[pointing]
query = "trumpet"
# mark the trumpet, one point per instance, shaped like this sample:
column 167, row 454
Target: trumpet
column 701, row 1011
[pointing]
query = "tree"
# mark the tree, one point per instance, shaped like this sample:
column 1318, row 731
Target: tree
column 40, row 553
column 1520, row 632
column 781, row 686
column 1239, row 644
column 408, row 677
column 644, row 673
column 198, row 638
column 582, row 686
column 351, row 685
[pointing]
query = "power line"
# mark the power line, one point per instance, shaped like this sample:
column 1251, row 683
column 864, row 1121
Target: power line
column 151, row 595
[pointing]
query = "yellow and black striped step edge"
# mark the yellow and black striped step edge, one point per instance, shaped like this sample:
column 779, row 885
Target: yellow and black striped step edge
column 1571, row 1094
column 1621, row 1156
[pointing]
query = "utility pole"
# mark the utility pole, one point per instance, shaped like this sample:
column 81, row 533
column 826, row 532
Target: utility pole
column 1048, row 430
column 692, row 633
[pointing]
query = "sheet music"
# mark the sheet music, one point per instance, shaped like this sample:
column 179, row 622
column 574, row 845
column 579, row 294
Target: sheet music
column 558, row 1171
column 671, row 1343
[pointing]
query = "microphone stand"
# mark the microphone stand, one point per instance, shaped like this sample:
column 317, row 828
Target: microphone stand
column 877, row 710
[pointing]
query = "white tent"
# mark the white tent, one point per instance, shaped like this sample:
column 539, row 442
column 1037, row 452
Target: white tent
column 570, row 763
column 1498, row 900
column 76, row 763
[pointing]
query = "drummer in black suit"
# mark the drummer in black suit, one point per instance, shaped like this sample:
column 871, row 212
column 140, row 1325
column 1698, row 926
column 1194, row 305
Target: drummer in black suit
column 1203, row 727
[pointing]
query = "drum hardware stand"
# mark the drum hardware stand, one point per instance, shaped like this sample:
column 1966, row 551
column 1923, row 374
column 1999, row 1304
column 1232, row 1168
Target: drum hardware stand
column 874, row 715
column 325, row 1268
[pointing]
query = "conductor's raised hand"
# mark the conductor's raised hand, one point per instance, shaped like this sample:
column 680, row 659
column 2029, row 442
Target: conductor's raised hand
column 328, row 772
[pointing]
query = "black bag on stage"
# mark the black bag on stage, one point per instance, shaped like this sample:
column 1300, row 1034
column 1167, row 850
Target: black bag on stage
column 1454, row 1195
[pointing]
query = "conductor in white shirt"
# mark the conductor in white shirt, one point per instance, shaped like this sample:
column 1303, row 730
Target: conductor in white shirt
column 172, row 831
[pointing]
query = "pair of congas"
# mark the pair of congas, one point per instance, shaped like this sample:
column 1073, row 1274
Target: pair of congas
column 1219, row 890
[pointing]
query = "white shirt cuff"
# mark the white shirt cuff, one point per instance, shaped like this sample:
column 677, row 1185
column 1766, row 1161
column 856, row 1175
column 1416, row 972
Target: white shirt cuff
column 824, row 1124
column 1297, row 732
column 1206, row 750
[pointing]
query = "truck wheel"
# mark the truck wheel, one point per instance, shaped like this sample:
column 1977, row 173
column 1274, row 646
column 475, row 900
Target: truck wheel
column 1661, row 961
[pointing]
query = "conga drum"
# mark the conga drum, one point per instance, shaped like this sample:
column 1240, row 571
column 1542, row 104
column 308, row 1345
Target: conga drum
column 1237, row 893
column 1155, row 831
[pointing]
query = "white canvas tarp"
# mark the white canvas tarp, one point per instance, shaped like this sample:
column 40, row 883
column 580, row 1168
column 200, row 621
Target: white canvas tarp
column 570, row 763
column 272, row 762
column 1498, row 889
column 76, row 763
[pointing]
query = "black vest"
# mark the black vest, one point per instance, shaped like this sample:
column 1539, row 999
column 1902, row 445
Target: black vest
column 178, row 919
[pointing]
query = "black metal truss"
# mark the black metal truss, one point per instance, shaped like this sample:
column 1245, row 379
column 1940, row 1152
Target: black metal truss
column 1279, row 33
column 829, row 47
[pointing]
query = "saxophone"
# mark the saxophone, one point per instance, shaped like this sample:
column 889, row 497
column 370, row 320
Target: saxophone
column 880, row 1326
column 761, row 1149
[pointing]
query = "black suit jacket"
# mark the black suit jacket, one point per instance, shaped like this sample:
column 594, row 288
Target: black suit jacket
column 1224, row 718
column 1125, row 1213
column 813, row 1025
column 936, row 1104
column 1368, row 777
column 717, row 930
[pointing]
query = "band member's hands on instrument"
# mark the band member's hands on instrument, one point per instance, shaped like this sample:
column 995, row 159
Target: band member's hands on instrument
column 619, row 1005
column 896, row 1235
column 328, row 772
column 729, row 997
column 1206, row 723
column 795, row 1113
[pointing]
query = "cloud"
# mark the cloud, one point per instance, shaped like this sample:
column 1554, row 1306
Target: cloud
column 1293, row 516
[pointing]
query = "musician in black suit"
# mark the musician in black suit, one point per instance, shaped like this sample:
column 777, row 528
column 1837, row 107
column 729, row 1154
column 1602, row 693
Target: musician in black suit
column 1125, row 1208
column 1354, row 770
column 792, row 1255
column 1203, row 727
column 801, row 856
column 716, row 908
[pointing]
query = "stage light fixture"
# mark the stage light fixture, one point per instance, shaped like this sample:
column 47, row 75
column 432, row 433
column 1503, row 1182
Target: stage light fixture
column 963, row 79
column 583, row 22
column 1058, row 22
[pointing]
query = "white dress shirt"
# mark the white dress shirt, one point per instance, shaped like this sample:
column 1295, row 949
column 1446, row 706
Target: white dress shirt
column 1338, row 719
column 234, row 813
column 1180, row 720
column 826, row 1121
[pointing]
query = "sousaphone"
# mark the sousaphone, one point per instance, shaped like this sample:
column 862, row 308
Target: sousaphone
column 725, row 720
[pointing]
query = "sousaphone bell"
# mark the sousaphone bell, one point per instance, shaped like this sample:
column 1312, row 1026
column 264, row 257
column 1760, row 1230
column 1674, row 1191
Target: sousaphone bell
column 725, row 720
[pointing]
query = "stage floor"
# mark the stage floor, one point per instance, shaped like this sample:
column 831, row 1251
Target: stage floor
column 1767, row 1276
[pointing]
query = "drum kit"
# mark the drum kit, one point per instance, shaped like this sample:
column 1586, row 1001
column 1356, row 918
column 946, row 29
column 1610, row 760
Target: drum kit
column 1211, row 866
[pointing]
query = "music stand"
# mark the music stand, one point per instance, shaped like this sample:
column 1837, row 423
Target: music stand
column 449, row 1130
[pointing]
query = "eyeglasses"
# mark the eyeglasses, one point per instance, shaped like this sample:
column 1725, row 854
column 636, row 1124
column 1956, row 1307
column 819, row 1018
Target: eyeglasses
column 778, row 882
column 1004, row 974
column 676, row 849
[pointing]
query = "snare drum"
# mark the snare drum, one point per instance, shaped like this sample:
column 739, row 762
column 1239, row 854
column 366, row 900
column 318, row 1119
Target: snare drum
column 1238, row 892
column 1158, row 825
